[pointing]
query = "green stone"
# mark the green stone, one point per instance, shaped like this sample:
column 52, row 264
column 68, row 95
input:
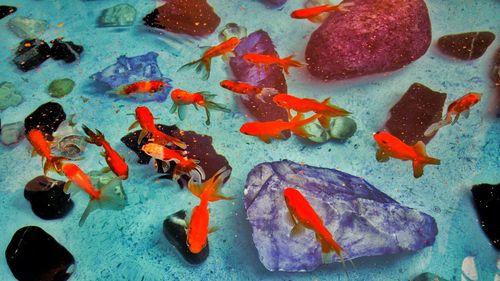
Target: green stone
column 9, row 96
column 28, row 28
column 61, row 87
column 318, row 133
column 342, row 128
column 428, row 277
column 232, row 30
column 119, row 15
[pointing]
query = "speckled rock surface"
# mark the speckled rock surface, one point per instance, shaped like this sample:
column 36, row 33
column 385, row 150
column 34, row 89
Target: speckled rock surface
column 372, row 37
column 466, row 46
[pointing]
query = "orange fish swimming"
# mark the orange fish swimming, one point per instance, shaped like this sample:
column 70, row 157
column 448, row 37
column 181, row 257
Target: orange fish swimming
column 204, row 63
column 246, row 89
column 141, row 87
column 111, row 196
column 115, row 161
column 198, row 226
column 266, row 131
column 459, row 106
column 144, row 118
column 390, row 146
column 182, row 98
column 42, row 147
column 302, row 105
column 313, row 14
column 183, row 165
column 266, row 60
column 302, row 215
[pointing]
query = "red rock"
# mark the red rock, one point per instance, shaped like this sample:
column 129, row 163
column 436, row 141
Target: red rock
column 417, row 109
column 192, row 17
column 466, row 46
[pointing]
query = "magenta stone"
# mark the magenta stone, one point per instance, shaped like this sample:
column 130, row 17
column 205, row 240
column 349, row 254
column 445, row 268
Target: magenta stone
column 372, row 37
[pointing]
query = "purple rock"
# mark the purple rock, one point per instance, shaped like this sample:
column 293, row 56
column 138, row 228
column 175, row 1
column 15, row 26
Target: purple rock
column 259, row 42
column 362, row 219
column 274, row 3
column 372, row 37
column 466, row 46
column 128, row 70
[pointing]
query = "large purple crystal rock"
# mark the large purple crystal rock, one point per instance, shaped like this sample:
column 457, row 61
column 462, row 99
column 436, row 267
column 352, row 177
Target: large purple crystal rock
column 372, row 37
column 128, row 70
column 362, row 219
column 272, row 76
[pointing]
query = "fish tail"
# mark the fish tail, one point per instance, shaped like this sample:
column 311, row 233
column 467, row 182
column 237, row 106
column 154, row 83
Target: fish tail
column 422, row 160
column 94, row 138
column 438, row 125
column 324, row 121
column 163, row 139
column 210, row 189
column 55, row 163
column 343, row 7
column 210, row 105
column 202, row 65
column 298, row 124
column 290, row 62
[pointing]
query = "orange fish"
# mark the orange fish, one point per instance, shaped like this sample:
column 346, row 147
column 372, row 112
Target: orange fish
column 266, row 60
column 115, row 161
column 198, row 226
column 266, row 131
column 302, row 215
column 324, row 108
column 42, row 147
column 313, row 14
column 141, row 87
column 183, row 165
column 182, row 98
column 459, row 106
column 144, row 118
column 110, row 196
column 203, row 64
column 246, row 89
column 390, row 146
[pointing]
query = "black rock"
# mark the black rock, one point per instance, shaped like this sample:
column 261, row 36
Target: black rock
column 176, row 235
column 34, row 255
column 31, row 53
column 65, row 50
column 466, row 46
column 45, row 118
column 6, row 10
column 47, row 198
column 487, row 202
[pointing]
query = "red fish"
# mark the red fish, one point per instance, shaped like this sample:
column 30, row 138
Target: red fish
column 183, row 165
column 141, row 87
column 182, row 98
column 198, row 226
column 313, row 14
column 302, row 215
column 390, row 146
column 145, row 119
column 246, row 89
column 266, row 60
column 115, row 161
column 42, row 147
column 266, row 131
column 302, row 105
column 203, row 64
column 459, row 106
column 111, row 196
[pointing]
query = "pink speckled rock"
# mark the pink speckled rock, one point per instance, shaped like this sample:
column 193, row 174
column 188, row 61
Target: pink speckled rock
column 375, row 36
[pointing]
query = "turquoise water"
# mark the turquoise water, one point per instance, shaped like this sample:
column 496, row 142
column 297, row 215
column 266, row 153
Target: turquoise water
column 129, row 245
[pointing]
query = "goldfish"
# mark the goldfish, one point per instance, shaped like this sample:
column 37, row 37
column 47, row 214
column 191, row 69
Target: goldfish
column 204, row 63
column 42, row 147
column 266, row 131
column 141, row 87
column 391, row 146
column 115, row 161
column 246, row 89
column 459, row 106
column 302, row 215
column 266, row 60
column 144, row 119
column 182, row 98
column 313, row 14
column 111, row 196
column 302, row 105
column 198, row 225
column 183, row 165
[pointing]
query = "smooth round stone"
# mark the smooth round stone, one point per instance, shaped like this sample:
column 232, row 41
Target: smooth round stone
column 119, row 15
column 28, row 28
column 61, row 87
column 318, row 133
column 47, row 198
column 342, row 128
column 232, row 30
column 9, row 95
column 12, row 133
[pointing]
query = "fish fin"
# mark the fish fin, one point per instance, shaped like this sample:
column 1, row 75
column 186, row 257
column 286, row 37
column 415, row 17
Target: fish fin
column 33, row 152
column 165, row 166
column 94, row 138
column 297, row 230
column 316, row 19
column 70, row 188
column 344, row 7
column 142, row 135
column 181, row 112
column 134, row 125
column 418, row 164
column 90, row 208
column 55, row 164
column 324, row 121
column 290, row 62
column 112, row 196
column 173, row 108
column 105, row 170
column 190, row 65
column 290, row 219
column 265, row 139
column 438, row 125
column 466, row 113
column 382, row 155
column 213, row 229
column 214, row 184
column 298, row 125
column 210, row 105
column 455, row 119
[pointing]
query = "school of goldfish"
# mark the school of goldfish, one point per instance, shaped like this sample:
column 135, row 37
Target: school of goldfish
column 170, row 150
